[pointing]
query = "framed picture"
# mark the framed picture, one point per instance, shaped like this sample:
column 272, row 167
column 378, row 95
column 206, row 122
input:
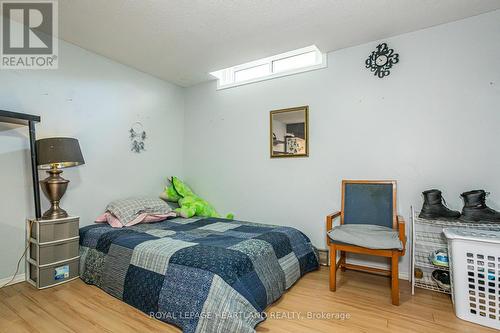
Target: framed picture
column 289, row 134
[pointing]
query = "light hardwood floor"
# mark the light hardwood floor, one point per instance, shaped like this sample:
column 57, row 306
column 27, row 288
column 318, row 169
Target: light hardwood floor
column 365, row 298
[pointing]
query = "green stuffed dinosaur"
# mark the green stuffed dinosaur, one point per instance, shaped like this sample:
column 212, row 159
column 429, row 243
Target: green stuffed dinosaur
column 190, row 204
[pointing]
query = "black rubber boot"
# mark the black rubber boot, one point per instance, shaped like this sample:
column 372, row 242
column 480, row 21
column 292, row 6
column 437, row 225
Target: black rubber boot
column 475, row 208
column 434, row 208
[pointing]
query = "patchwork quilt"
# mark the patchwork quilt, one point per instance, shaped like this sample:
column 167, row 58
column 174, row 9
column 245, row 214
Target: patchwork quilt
column 200, row 274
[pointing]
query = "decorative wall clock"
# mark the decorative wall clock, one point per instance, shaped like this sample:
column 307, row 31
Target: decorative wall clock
column 381, row 60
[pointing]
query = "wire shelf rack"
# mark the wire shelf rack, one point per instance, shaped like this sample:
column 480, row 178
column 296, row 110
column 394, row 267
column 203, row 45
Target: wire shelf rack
column 426, row 282
column 430, row 237
column 427, row 236
column 422, row 260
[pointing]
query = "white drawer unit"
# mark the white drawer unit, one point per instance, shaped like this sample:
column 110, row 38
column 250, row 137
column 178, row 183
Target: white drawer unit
column 53, row 255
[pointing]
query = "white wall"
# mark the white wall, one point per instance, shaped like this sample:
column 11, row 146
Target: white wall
column 95, row 100
column 434, row 122
column 279, row 129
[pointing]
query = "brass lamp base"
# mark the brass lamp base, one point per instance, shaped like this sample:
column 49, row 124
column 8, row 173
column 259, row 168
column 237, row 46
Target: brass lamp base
column 54, row 212
column 54, row 187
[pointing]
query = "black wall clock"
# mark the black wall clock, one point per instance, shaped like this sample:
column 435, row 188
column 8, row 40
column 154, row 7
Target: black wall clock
column 381, row 60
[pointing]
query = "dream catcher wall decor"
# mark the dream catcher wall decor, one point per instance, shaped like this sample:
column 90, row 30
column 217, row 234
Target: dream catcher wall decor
column 381, row 60
column 137, row 137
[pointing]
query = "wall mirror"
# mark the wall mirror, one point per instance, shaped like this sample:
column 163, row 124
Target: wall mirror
column 289, row 132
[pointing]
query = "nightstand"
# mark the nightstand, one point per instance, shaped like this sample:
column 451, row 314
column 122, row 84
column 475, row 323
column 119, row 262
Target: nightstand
column 54, row 252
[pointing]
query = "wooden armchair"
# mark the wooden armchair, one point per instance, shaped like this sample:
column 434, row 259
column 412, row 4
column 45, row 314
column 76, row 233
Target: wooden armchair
column 367, row 202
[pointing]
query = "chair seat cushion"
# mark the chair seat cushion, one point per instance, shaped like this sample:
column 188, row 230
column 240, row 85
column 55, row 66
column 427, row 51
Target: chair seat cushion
column 366, row 235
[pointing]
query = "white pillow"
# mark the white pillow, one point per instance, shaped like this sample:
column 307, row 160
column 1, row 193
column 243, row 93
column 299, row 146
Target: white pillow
column 126, row 210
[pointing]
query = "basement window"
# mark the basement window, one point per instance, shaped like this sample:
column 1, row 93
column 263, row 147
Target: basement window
column 293, row 62
column 251, row 73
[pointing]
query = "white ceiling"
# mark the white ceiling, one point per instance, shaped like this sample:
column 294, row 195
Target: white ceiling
column 291, row 117
column 182, row 40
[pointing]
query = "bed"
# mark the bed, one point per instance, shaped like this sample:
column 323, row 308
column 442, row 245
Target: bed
column 200, row 274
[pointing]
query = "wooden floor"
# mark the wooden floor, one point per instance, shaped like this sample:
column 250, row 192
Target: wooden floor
column 363, row 299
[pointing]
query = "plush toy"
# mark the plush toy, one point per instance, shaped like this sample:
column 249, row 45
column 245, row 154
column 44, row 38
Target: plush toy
column 190, row 204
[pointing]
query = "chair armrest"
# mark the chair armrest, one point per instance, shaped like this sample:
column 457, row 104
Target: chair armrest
column 329, row 220
column 402, row 235
column 329, row 223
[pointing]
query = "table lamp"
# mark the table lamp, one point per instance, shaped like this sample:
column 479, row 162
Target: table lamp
column 53, row 155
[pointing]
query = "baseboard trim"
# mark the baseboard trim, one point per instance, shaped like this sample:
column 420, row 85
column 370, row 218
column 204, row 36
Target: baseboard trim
column 18, row 278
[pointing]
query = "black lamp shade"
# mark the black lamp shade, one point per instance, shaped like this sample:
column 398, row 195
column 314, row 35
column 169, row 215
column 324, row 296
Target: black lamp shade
column 59, row 152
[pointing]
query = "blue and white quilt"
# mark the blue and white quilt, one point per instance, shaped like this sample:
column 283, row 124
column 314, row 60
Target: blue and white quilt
column 200, row 274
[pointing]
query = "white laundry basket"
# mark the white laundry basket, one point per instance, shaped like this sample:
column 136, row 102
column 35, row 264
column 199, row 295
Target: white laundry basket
column 475, row 274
